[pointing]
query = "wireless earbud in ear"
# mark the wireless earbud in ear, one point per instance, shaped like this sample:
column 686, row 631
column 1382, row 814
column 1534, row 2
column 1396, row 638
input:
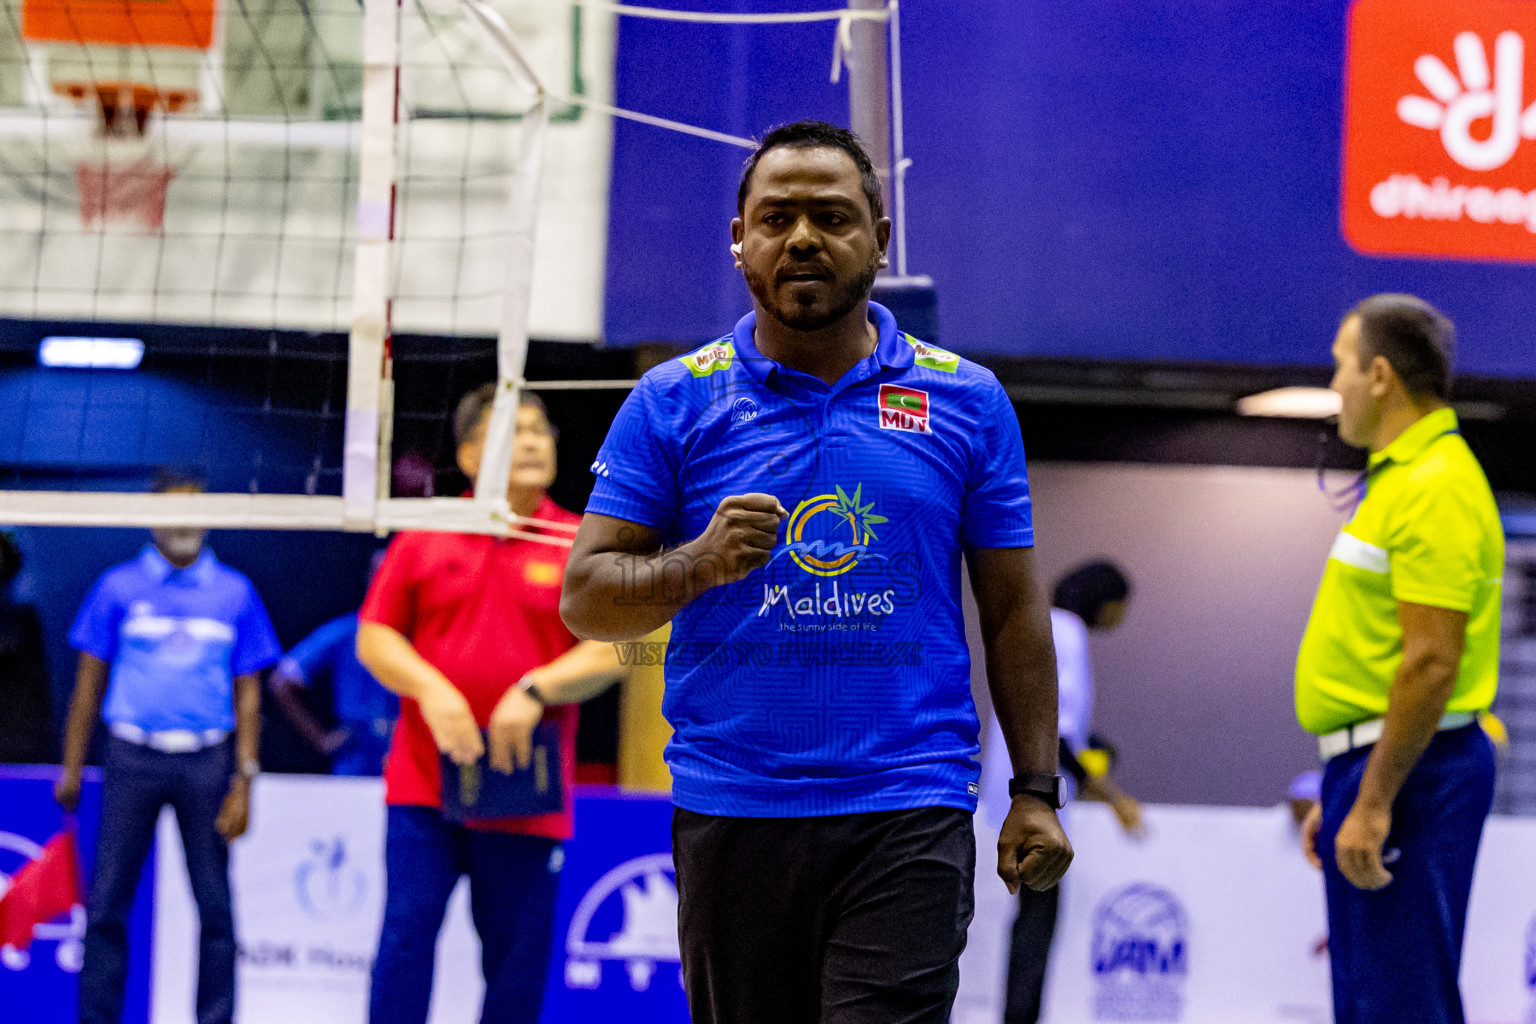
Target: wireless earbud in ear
column 736, row 248
column 883, row 261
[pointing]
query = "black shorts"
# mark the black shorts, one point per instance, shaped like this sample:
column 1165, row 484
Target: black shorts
column 848, row 919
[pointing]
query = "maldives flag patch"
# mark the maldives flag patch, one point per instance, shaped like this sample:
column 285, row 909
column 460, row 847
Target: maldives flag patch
column 904, row 409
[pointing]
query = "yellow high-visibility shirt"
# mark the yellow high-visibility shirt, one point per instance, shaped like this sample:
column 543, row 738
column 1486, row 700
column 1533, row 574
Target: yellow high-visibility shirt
column 1427, row 532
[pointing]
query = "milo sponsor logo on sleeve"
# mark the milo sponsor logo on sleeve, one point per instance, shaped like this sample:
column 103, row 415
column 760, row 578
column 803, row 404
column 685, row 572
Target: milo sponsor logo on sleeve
column 932, row 357
column 709, row 359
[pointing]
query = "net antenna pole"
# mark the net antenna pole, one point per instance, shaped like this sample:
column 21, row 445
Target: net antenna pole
column 522, row 213
column 367, row 350
column 899, row 160
column 872, row 50
column 875, row 110
column 869, row 100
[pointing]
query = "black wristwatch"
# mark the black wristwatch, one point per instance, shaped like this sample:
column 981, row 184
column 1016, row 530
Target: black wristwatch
column 1043, row 787
column 531, row 689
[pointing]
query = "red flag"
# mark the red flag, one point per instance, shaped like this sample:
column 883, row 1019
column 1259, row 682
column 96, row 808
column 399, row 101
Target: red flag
column 44, row 889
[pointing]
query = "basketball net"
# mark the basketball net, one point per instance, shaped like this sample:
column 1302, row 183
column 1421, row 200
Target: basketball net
column 123, row 184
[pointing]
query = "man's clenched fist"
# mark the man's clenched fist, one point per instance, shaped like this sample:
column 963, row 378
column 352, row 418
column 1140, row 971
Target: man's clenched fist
column 739, row 538
column 1032, row 849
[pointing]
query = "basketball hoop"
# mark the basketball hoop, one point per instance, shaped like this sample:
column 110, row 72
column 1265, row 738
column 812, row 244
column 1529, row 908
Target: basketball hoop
column 125, row 186
column 116, row 99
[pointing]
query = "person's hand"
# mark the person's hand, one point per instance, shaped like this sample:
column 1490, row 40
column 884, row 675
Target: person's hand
column 235, row 816
column 1128, row 812
column 1358, row 846
column 1032, row 849
column 741, row 535
column 452, row 723
column 1309, row 829
column 335, row 740
column 511, row 729
column 67, row 790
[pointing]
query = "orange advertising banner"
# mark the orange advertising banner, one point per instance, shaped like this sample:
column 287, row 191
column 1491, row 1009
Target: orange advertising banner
column 1440, row 129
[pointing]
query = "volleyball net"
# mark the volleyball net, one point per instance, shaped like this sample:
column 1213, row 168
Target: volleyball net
column 317, row 220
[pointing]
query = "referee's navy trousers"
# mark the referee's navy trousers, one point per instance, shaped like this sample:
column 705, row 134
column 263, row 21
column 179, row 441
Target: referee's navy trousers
column 1396, row 952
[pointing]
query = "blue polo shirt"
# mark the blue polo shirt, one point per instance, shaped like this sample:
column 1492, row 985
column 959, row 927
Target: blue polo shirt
column 836, row 679
column 332, row 650
column 175, row 639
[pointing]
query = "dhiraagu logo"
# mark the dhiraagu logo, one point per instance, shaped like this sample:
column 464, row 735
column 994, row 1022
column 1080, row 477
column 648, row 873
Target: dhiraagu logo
column 1440, row 129
column 826, row 535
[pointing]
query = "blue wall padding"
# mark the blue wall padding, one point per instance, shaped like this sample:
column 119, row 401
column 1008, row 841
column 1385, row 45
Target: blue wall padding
column 1157, row 180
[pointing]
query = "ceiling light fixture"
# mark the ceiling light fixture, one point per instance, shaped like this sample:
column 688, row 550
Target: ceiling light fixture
column 91, row 353
column 1292, row 403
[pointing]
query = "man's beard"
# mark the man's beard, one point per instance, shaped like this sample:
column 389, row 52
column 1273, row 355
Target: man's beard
column 797, row 318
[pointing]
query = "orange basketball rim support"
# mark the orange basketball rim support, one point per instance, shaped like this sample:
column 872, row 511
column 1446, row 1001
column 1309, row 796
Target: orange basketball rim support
column 116, row 102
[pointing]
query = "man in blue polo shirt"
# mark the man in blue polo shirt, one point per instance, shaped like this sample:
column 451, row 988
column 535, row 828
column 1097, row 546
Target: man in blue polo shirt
column 796, row 497
column 172, row 642
column 365, row 711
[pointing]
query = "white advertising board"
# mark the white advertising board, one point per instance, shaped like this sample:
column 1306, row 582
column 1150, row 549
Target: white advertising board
column 309, row 896
column 1215, row 918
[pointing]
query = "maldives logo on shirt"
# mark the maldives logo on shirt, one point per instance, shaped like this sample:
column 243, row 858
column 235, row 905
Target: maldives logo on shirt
column 827, row 536
column 817, row 545
column 904, row 409
column 1440, row 129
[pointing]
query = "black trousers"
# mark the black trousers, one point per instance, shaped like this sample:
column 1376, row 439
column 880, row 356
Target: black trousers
column 135, row 783
column 1029, row 952
column 847, row 919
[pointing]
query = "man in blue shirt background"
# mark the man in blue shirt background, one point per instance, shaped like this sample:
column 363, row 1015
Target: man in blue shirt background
column 796, row 498
column 170, row 646
column 365, row 711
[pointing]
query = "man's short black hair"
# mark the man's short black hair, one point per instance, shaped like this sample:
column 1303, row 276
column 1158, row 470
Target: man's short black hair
column 815, row 135
column 178, row 478
column 1415, row 337
column 476, row 405
column 1087, row 589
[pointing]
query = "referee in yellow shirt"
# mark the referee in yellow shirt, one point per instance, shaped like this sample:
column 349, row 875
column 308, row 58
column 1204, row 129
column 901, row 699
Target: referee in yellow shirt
column 1400, row 655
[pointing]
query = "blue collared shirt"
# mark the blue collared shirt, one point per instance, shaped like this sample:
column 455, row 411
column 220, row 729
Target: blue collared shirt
column 837, row 678
column 332, row 650
column 175, row 640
